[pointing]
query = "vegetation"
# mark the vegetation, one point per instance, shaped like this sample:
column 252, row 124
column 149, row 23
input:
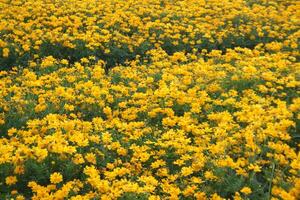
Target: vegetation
column 149, row 99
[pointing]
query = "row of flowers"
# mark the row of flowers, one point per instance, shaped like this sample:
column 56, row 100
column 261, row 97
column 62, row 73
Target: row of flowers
column 115, row 31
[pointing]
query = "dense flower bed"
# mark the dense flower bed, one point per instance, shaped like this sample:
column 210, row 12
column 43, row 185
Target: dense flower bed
column 149, row 99
column 116, row 30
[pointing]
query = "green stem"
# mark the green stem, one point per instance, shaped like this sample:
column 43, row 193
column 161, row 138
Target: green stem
column 270, row 185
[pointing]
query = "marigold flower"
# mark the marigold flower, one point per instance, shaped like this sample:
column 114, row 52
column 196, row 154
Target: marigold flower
column 5, row 52
column 10, row 180
column 56, row 177
column 246, row 190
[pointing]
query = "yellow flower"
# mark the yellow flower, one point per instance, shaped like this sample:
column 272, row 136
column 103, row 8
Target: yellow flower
column 48, row 61
column 108, row 112
column 78, row 159
column 190, row 190
column 209, row 175
column 216, row 197
column 19, row 170
column 274, row 46
column 246, row 190
column 91, row 157
column 56, row 178
column 255, row 168
column 20, row 197
column 64, row 62
column 5, row 52
column 14, row 192
column 154, row 197
column 69, row 107
column 186, row 171
column 10, row 180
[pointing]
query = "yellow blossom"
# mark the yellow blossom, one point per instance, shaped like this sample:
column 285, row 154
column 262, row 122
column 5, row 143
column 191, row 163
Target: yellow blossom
column 246, row 190
column 11, row 180
column 56, row 178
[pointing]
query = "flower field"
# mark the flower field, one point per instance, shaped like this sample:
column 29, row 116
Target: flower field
column 149, row 99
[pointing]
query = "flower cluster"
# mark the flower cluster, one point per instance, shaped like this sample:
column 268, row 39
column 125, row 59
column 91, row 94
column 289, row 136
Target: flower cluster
column 118, row 30
column 202, row 103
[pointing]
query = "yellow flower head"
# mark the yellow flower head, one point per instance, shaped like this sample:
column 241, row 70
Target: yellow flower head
column 10, row 180
column 246, row 190
column 56, row 178
column 5, row 52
